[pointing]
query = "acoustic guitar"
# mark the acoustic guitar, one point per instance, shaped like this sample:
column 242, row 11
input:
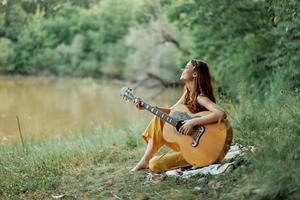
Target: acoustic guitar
column 206, row 143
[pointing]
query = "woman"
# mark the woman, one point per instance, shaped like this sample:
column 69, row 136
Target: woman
column 198, row 96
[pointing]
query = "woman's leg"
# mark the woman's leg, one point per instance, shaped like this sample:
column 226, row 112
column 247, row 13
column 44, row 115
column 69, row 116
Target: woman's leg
column 154, row 137
column 167, row 162
column 148, row 154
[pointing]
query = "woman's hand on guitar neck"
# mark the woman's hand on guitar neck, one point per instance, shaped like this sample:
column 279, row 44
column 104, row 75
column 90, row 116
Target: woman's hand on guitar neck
column 137, row 103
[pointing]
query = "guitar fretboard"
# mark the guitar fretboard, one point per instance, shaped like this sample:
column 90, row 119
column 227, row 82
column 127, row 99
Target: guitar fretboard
column 167, row 118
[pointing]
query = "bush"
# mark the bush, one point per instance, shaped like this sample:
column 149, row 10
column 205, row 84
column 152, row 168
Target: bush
column 150, row 53
column 6, row 49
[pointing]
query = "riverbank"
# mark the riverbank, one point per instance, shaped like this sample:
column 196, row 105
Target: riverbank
column 95, row 164
column 55, row 106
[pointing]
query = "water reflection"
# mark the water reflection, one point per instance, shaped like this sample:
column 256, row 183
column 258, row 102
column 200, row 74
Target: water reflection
column 56, row 106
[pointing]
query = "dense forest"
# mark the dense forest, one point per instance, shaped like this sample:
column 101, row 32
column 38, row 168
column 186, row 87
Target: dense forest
column 246, row 43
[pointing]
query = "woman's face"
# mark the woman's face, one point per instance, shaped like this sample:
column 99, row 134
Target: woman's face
column 188, row 73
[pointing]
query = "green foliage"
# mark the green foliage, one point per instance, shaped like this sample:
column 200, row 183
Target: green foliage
column 132, row 141
column 14, row 20
column 73, row 41
column 273, row 172
column 7, row 53
column 150, row 53
column 244, row 41
column 33, row 51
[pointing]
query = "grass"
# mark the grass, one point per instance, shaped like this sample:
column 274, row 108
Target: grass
column 94, row 164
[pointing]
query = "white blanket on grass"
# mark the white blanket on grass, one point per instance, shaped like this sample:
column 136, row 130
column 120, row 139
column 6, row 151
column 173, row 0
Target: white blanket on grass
column 231, row 158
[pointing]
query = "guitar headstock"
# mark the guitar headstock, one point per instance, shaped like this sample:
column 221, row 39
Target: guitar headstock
column 127, row 94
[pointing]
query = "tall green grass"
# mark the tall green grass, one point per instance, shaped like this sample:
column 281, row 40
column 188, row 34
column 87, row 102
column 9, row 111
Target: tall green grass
column 42, row 164
column 273, row 128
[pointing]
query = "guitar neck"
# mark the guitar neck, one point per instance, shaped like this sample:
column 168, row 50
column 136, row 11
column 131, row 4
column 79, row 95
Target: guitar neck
column 164, row 116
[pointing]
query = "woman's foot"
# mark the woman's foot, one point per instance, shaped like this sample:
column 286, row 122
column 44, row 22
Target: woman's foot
column 140, row 166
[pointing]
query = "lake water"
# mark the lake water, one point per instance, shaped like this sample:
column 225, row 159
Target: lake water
column 49, row 107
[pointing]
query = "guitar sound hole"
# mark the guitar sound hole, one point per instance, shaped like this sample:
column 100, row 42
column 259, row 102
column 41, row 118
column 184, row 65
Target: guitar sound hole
column 179, row 124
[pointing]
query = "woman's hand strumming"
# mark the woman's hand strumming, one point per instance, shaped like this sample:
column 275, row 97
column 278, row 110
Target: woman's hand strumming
column 187, row 127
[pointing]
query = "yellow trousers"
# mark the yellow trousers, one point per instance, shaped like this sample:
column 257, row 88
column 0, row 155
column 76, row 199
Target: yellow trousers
column 171, row 160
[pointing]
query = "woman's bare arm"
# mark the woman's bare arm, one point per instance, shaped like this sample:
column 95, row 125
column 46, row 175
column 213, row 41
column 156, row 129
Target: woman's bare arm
column 217, row 113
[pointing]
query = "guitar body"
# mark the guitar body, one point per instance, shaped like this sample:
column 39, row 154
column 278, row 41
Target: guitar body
column 207, row 142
